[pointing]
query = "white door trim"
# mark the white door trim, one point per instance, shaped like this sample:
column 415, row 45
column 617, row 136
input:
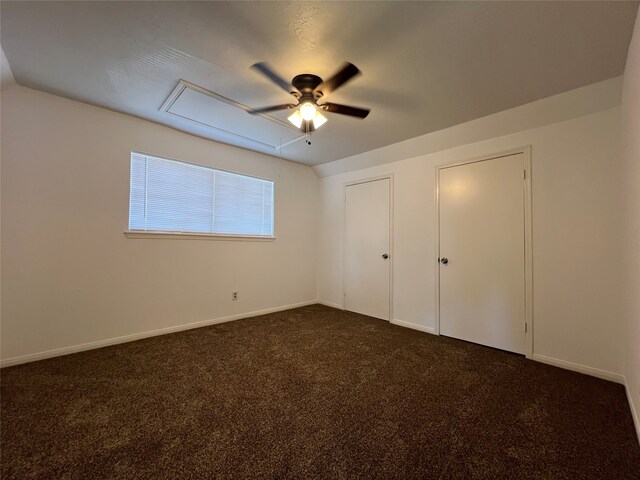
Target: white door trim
column 344, row 236
column 528, row 238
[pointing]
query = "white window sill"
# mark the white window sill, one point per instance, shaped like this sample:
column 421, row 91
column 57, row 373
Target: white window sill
column 196, row 236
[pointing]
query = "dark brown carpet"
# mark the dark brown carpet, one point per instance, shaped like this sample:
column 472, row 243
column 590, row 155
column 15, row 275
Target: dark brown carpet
column 310, row 393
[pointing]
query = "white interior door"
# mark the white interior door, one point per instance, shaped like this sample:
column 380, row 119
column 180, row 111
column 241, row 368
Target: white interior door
column 482, row 252
column 367, row 241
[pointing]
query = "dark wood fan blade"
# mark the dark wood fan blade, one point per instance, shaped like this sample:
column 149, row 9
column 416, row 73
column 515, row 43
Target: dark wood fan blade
column 345, row 110
column 266, row 70
column 273, row 108
column 346, row 73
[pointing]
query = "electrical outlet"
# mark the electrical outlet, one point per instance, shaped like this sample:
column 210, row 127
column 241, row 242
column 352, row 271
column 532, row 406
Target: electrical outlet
column 234, row 296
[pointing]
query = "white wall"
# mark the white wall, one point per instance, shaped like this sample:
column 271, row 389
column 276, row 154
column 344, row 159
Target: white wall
column 70, row 276
column 6, row 75
column 576, row 225
column 631, row 251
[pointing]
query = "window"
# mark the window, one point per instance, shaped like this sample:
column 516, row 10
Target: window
column 171, row 196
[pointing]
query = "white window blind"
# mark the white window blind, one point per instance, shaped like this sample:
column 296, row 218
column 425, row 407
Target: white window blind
column 171, row 196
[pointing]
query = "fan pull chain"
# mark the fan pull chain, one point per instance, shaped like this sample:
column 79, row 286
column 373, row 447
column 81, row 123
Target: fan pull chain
column 307, row 133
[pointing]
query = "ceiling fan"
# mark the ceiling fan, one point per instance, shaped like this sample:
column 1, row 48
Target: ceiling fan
column 309, row 89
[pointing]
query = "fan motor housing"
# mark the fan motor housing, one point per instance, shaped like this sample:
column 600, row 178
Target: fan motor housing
column 306, row 83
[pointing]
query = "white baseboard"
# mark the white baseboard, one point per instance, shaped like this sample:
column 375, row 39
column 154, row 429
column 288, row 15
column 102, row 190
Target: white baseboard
column 138, row 336
column 634, row 410
column 415, row 326
column 576, row 367
column 330, row 304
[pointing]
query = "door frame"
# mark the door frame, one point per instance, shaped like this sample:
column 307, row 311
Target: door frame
column 528, row 237
column 350, row 183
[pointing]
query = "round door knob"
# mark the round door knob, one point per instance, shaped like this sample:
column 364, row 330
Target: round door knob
column 444, row 260
column 385, row 255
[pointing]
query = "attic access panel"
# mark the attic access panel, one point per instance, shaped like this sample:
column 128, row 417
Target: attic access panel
column 190, row 102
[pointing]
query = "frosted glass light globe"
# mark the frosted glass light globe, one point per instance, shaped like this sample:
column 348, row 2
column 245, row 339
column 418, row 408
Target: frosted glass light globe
column 308, row 111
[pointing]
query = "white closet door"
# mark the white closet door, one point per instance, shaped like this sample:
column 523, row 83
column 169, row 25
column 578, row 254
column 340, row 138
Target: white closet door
column 482, row 271
column 367, row 241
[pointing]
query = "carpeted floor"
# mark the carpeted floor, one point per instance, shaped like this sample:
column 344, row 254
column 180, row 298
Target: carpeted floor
column 310, row 393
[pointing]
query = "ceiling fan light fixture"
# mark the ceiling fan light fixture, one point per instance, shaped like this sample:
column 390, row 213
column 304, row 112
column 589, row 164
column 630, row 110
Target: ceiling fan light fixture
column 308, row 111
column 319, row 120
column 297, row 118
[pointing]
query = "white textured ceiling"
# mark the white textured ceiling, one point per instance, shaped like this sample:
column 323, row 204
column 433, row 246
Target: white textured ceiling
column 426, row 65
